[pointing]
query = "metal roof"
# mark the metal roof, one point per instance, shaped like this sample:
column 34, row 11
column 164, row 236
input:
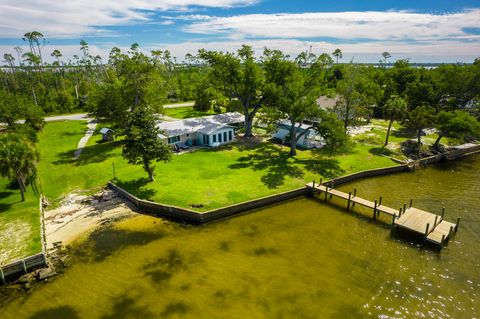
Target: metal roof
column 205, row 125
column 106, row 130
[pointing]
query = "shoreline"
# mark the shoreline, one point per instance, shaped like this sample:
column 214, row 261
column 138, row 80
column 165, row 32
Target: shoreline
column 79, row 214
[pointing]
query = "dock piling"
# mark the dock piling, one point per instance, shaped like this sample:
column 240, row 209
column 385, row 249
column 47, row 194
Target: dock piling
column 326, row 192
column 458, row 223
column 400, row 212
column 380, row 201
column 411, row 202
column 435, row 222
column 443, row 211
column 2, row 277
column 349, row 199
column 427, row 229
column 404, row 208
column 375, row 210
column 443, row 240
column 354, row 192
column 313, row 184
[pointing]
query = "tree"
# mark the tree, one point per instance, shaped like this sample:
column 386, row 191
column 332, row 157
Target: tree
column 142, row 145
column 57, row 55
column 109, row 104
column 418, row 119
column 33, row 38
column 337, row 54
column 329, row 127
column 395, row 109
column 18, row 159
column 238, row 77
column 457, row 124
column 386, row 56
column 287, row 96
column 305, row 58
column 8, row 58
column 357, row 93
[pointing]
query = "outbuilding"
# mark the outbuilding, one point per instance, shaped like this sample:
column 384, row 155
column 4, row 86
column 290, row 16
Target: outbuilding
column 107, row 134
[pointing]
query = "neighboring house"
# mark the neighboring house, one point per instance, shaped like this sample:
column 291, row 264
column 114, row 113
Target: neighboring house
column 213, row 130
column 311, row 139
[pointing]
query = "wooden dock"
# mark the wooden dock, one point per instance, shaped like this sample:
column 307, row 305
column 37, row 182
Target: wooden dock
column 432, row 227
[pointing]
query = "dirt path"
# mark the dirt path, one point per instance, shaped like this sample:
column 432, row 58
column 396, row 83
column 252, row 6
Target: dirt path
column 91, row 125
column 79, row 214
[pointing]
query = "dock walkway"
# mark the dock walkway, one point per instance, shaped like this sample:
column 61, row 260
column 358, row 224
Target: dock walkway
column 432, row 227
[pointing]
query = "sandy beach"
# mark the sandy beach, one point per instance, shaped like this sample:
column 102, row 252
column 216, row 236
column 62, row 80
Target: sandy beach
column 80, row 214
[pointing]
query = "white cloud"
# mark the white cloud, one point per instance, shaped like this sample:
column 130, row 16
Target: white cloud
column 73, row 18
column 390, row 25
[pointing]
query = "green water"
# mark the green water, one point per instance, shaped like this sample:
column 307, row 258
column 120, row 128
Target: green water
column 301, row 259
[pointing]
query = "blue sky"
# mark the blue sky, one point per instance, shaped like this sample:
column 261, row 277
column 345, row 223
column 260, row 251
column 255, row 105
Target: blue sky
column 422, row 30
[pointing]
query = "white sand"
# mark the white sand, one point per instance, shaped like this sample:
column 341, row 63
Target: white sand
column 79, row 214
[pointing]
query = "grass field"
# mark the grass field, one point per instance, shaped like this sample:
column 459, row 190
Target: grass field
column 210, row 178
column 19, row 223
column 185, row 112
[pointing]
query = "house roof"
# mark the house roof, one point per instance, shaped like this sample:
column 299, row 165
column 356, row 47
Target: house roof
column 106, row 130
column 287, row 125
column 205, row 125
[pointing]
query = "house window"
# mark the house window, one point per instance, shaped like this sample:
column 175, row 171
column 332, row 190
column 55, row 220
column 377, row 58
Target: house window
column 214, row 138
column 220, row 137
column 229, row 135
column 173, row 139
column 224, row 136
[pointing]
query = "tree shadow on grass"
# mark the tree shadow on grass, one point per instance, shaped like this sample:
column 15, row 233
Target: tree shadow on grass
column 380, row 151
column 403, row 132
column 278, row 165
column 6, row 206
column 326, row 167
column 91, row 154
column 274, row 161
column 137, row 187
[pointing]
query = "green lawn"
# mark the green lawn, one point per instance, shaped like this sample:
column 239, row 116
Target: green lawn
column 185, row 112
column 210, row 178
column 19, row 223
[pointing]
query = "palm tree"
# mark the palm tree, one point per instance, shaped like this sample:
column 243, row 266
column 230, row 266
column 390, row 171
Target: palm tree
column 386, row 56
column 18, row 159
column 395, row 109
column 337, row 54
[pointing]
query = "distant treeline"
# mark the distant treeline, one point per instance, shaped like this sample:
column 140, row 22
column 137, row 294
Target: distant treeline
column 77, row 84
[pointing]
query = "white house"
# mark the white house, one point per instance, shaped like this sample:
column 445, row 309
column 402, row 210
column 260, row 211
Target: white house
column 213, row 130
column 311, row 139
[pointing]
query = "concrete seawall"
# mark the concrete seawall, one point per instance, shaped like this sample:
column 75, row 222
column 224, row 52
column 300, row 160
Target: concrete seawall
column 191, row 216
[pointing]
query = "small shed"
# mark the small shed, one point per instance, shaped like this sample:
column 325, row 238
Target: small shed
column 107, row 134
